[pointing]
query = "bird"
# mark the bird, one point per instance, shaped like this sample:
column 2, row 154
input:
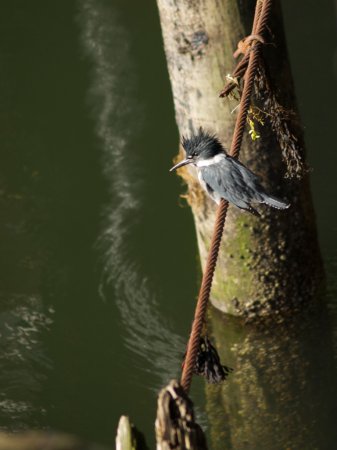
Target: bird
column 223, row 176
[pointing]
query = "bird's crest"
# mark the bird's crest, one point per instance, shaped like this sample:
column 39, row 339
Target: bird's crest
column 202, row 143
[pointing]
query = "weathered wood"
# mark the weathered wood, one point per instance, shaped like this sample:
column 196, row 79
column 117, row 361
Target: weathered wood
column 261, row 267
column 175, row 424
column 125, row 439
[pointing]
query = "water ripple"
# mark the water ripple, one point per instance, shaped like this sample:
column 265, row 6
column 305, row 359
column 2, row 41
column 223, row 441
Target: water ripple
column 146, row 332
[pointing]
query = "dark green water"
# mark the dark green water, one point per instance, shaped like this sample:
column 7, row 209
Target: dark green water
column 99, row 270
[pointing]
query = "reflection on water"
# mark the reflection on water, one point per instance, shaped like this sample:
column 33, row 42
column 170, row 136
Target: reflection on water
column 283, row 391
column 117, row 120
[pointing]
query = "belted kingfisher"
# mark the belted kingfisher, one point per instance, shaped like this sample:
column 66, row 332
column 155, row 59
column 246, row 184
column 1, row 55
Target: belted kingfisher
column 223, row 176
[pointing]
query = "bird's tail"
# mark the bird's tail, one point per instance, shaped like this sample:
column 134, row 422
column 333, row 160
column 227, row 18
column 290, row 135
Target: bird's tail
column 275, row 202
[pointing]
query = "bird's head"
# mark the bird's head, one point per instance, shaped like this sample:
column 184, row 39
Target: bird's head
column 199, row 147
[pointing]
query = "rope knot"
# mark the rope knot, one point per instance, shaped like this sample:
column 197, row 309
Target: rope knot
column 247, row 43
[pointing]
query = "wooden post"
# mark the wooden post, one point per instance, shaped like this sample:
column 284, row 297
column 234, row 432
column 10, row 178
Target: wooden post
column 175, row 424
column 266, row 265
column 125, row 439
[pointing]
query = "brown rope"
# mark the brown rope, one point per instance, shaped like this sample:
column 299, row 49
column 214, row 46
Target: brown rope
column 262, row 12
column 241, row 67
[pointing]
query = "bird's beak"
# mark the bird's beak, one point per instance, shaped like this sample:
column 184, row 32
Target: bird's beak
column 181, row 164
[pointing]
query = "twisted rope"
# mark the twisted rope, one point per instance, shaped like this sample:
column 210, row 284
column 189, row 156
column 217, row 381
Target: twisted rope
column 262, row 12
column 259, row 25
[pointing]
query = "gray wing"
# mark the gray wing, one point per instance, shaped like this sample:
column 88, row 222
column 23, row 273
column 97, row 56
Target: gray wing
column 233, row 181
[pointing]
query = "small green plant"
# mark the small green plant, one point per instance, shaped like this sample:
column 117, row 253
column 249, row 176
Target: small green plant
column 252, row 131
column 254, row 115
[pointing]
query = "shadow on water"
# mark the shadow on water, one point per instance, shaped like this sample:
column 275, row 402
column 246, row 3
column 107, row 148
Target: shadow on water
column 282, row 394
